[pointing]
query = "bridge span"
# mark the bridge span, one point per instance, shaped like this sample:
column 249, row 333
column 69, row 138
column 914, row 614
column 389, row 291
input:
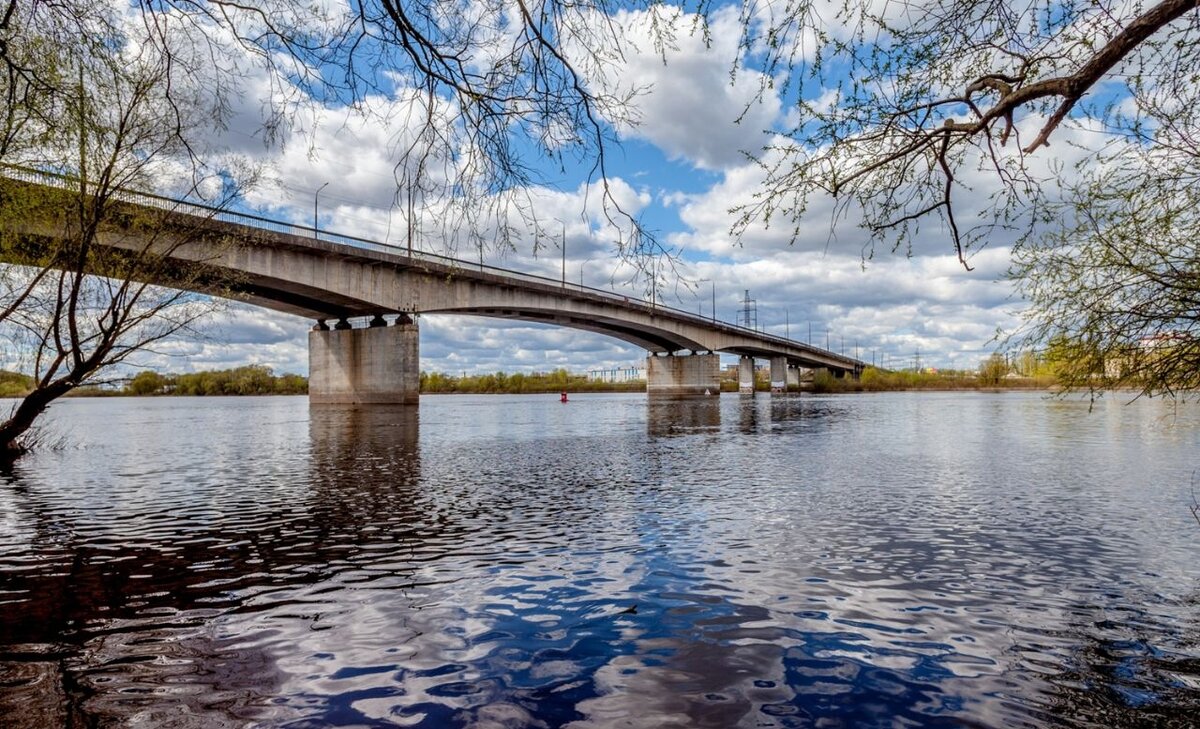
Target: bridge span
column 363, row 296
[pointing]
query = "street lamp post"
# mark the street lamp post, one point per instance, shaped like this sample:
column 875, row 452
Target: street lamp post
column 653, row 282
column 316, row 198
column 712, row 281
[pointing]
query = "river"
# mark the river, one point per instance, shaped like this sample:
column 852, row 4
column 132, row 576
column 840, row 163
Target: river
column 901, row 559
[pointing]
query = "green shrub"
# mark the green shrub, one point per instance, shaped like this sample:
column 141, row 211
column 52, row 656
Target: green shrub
column 14, row 384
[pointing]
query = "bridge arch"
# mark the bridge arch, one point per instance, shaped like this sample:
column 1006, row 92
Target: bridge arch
column 650, row 338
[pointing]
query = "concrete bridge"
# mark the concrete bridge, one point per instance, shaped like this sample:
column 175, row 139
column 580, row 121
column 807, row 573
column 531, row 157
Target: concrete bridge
column 363, row 296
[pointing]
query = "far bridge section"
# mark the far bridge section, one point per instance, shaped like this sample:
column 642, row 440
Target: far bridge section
column 363, row 294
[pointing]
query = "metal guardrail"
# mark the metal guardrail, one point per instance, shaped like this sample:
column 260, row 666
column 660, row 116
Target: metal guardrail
column 208, row 212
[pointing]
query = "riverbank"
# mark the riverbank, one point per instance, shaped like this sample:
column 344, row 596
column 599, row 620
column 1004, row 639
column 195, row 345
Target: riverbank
column 261, row 380
column 876, row 380
column 501, row 383
column 254, row 380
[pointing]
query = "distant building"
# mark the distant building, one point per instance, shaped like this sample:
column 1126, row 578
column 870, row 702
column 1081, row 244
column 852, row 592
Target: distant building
column 1148, row 347
column 617, row 374
column 1163, row 340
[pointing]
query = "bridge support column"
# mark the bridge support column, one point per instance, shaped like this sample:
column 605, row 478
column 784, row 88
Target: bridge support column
column 779, row 370
column 746, row 375
column 793, row 378
column 378, row 365
column 694, row 374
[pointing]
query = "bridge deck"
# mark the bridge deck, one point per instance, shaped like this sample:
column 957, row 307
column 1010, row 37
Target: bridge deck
column 327, row 275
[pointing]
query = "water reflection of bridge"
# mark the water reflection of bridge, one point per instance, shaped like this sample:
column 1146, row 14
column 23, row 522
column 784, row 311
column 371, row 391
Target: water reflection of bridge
column 84, row 635
column 90, row 630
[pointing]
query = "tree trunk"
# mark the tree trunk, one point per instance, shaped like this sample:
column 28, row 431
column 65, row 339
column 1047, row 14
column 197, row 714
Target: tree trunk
column 12, row 445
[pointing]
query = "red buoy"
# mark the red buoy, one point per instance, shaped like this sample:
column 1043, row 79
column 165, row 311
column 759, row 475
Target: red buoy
column 563, row 397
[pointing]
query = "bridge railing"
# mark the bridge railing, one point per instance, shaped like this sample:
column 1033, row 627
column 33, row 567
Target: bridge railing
column 210, row 212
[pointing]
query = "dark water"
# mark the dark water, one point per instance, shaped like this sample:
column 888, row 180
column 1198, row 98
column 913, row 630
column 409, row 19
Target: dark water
column 883, row 560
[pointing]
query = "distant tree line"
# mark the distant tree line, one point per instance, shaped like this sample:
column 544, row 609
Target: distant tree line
column 1023, row 370
column 1020, row 370
column 248, row 380
column 261, row 380
column 520, row 382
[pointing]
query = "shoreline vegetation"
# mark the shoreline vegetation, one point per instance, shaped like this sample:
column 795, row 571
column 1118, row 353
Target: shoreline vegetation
column 877, row 380
column 254, row 380
column 521, row 383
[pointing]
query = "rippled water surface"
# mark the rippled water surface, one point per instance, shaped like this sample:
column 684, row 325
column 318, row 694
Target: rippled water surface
column 887, row 560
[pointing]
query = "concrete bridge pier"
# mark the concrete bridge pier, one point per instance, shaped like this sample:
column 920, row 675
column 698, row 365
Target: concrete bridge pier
column 779, row 369
column 375, row 365
column 683, row 375
column 793, row 378
column 746, row 375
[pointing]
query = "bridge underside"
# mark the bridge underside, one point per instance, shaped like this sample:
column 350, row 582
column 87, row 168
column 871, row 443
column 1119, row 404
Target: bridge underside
column 317, row 304
column 314, row 303
column 650, row 338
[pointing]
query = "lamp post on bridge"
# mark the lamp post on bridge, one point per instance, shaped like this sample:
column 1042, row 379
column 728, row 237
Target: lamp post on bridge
column 581, row 270
column 316, row 199
column 653, row 282
column 712, row 281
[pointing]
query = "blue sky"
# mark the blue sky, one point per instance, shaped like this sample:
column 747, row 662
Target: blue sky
column 681, row 168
